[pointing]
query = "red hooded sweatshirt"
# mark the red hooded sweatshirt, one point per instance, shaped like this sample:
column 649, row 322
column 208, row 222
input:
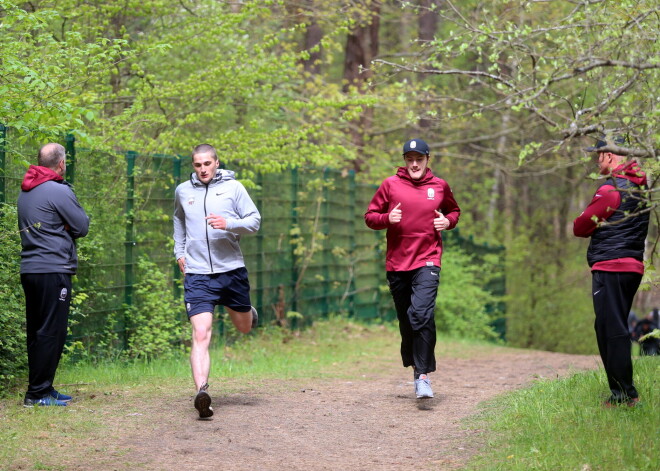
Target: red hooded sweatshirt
column 604, row 203
column 413, row 242
column 37, row 175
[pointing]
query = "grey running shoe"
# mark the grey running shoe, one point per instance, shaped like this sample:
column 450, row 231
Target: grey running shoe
column 203, row 402
column 255, row 317
column 423, row 387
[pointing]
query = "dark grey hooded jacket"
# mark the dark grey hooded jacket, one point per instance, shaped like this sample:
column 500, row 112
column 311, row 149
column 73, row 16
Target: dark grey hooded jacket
column 49, row 219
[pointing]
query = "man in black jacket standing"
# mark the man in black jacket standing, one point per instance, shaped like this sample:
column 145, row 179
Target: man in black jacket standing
column 617, row 223
column 49, row 219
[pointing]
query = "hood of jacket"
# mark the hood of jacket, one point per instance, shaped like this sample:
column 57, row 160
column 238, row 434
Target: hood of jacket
column 402, row 172
column 36, row 175
column 221, row 175
column 630, row 171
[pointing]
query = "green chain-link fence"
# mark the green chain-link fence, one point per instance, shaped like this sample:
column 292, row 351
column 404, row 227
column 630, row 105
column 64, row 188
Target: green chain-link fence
column 312, row 256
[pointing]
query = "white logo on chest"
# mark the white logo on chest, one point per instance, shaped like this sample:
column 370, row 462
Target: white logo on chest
column 430, row 194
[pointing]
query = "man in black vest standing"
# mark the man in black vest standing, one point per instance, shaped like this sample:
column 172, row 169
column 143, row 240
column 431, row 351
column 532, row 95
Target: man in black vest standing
column 617, row 223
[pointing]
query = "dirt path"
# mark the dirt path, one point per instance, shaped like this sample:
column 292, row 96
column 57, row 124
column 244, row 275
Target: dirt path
column 371, row 424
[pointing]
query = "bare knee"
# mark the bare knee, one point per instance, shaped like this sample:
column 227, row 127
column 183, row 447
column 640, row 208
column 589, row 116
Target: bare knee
column 201, row 333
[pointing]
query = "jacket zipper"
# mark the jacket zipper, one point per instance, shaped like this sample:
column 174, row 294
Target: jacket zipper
column 208, row 243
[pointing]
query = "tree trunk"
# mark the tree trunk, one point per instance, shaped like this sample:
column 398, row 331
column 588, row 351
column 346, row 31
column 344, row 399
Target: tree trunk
column 361, row 49
column 428, row 19
column 313, row 36
column 428, row 27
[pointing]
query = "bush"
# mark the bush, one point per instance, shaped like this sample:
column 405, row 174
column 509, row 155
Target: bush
column 13, row 353
column 464, row 305
column 549, row 304
column 155, row 323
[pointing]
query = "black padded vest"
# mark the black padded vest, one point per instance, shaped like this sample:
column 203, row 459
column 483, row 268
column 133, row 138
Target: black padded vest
column 625, row 238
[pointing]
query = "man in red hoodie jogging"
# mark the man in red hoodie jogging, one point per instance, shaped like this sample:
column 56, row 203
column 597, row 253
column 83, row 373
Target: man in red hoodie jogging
column 414, row 206
column 617, row 222
column 49, row 219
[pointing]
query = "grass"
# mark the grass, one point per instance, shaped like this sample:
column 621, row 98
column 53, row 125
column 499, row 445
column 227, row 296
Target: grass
column 561, row 425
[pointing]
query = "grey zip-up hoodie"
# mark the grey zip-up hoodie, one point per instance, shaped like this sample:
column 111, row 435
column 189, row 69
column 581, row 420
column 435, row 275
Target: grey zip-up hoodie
column 49, row 219
column 205, row 249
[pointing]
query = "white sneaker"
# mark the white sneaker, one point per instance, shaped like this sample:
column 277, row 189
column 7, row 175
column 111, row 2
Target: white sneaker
column 423, row 387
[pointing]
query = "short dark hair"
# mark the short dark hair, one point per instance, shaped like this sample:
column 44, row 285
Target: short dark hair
column 203, row 149
column 50, row 155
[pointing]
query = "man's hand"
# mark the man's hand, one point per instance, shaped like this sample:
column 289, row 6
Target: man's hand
column 440, row 222
column 182, row 264
column 217, row 222
column 395, row 215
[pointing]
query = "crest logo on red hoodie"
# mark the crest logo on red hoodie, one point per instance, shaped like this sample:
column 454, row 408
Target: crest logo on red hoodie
column 430, row 194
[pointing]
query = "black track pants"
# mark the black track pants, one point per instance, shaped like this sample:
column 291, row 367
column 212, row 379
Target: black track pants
column 414, row 294
column 47, row 301
column 613, row 294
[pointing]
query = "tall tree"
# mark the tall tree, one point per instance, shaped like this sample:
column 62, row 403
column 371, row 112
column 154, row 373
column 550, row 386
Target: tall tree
column 361, row 49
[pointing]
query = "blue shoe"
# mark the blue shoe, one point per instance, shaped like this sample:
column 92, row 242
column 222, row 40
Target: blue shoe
column 255, row 317
column 59, row 396
column 423, row 387
column 44, row 401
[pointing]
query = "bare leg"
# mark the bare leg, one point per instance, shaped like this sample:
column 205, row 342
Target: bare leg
column 200, row 360
column 242, row 320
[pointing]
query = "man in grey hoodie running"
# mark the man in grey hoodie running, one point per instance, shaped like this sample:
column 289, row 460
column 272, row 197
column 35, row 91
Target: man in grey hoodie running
column 212, row 211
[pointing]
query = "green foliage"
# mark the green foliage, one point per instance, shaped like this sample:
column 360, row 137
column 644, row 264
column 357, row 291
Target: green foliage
column 548, row 301
column 464, row 307
column 154, row 322
column 50, row 76
column 13, row 355
column 655, row 334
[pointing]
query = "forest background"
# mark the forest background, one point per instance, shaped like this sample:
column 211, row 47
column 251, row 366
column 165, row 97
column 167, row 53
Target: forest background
column 507, row 94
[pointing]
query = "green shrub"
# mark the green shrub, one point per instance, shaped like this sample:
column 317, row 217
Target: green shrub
column 549, row 305
column 464, row 305
column 13, row 353
column 155, row 322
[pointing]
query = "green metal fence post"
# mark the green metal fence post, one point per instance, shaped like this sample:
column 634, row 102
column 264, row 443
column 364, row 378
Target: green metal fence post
column 260, row 248
column 176, row 176
column 352, row 202
column 294, row 222
column 3, row 168
column 327, row 259
column 70, row 147
column 130, row 242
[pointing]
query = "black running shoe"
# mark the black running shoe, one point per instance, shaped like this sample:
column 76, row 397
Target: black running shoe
column 203, row 402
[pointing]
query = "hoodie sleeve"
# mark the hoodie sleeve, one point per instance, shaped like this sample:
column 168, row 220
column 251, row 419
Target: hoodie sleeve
column 606, row 200
column 72, row 214
column 249, row 219
column 179, row 219
column 378, row 210
column 450, row 207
